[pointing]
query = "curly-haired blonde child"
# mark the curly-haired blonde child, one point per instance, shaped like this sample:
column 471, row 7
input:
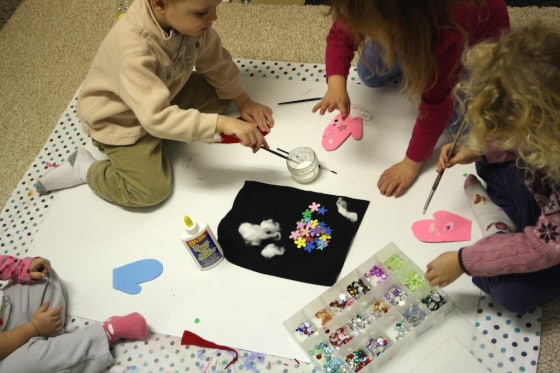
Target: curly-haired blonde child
column 512, row 100
column 421, row 39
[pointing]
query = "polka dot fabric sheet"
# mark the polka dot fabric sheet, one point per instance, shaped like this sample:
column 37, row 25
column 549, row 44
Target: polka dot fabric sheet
column 517, row 336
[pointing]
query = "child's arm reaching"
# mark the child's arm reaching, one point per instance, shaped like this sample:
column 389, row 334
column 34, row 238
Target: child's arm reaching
column 444, row 269
column 336, row 97
column 44, row 323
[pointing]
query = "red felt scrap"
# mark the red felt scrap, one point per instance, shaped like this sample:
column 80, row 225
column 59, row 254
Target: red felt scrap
column 189, row 338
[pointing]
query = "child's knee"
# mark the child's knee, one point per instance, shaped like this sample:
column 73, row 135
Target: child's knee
column 153, row 194
column 509, row 296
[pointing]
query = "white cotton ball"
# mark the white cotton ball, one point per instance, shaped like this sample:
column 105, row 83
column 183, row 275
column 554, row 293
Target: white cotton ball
column 272, row 250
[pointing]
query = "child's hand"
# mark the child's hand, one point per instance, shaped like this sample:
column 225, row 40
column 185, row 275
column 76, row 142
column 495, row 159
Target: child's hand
column 444, row 269
column 39, row 268
column 48, row 322
column 395, row 180
column 256, row 113
column 247, row 133
column 335, row 98
column 462, row 155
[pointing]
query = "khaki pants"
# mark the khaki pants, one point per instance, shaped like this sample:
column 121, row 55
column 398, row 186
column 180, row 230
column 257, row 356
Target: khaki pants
column 139, row 175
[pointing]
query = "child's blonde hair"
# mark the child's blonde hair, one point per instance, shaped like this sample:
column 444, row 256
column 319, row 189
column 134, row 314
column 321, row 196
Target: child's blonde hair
column 512, row 97
column 406, row 28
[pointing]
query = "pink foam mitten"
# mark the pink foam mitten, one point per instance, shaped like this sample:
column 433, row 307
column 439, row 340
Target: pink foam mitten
column 445, row 227
column 339, row 129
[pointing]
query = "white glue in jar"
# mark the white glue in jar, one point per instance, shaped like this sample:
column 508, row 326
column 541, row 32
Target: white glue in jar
column 202, row 244
column 303, row 164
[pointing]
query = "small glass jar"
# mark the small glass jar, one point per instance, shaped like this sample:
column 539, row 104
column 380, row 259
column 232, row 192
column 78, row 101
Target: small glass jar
column 303, row 164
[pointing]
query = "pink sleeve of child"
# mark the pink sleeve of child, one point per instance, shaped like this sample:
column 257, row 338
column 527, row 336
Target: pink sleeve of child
column 535, row 249
column 15, row 269
column 341, row 45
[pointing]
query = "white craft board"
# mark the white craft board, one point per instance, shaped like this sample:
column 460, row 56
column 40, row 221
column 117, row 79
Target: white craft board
column 86, row 237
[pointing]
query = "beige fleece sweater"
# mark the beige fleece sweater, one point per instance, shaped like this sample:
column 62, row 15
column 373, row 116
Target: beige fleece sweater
column 139, row 69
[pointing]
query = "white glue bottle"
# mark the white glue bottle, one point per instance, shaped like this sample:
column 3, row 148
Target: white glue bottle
column 202, row 244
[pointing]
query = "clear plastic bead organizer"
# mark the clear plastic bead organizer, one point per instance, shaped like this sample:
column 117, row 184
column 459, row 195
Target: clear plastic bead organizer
column 385, row 313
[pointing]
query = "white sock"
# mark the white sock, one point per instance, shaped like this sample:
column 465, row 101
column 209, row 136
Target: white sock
column 71, row 173
column 490, row 217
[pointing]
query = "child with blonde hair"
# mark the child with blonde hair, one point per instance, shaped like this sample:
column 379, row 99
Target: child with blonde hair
column 421, row 39
column 32, row 316
column 512, row 100
column 141, row 89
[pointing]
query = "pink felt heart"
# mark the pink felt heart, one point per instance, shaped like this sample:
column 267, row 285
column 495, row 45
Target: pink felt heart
column 338, row 130
column 445, row 227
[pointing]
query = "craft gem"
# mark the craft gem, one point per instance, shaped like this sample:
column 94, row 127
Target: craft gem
column 339, row 337
column 358, row 359
column 379, row 309
column 324, row 353
column 414, row 315
column 358, row 323
column 433, row 301
column 401, row 329
column 306, row 328
column 341, row 303
column 394, row 262
column 377, row 345
column 414, row 281
column 376, row 272
column 357, row 288
column 395, row 296
column 323, row 315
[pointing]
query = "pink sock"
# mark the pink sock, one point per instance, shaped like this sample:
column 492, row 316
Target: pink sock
column 131, row 326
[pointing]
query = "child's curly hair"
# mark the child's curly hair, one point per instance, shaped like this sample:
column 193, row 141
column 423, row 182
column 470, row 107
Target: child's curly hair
column 512, row 96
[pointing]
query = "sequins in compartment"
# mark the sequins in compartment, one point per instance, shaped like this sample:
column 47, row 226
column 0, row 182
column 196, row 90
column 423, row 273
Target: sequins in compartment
column 369, row 315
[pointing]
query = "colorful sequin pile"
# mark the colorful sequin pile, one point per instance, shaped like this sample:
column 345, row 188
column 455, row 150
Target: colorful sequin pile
column 359, row 323
column 324, row 316
column 306, row 328
column 434, row 300
column 379, row 309
column 358, row 359
column 394, row 262
column 339, row 337
column 357, row 288
column 414, row 315
column 341, row 303
column 378, row 345
column 325, row 354
column 414, row 281
column 376, row 275
column 311, row 233
column 401, row 329
column 395, row 296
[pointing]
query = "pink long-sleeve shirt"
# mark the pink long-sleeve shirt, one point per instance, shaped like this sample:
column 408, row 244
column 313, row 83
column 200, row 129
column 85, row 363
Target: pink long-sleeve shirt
column 436, row 105
column 16, row 270
column 534, row 249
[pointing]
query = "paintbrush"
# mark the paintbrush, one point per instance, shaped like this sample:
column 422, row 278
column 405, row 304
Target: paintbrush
column 450, row 153
column 302, row 100
column 320, row 165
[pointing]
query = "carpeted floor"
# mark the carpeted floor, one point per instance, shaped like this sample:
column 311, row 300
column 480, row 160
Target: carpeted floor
column 47, row 48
